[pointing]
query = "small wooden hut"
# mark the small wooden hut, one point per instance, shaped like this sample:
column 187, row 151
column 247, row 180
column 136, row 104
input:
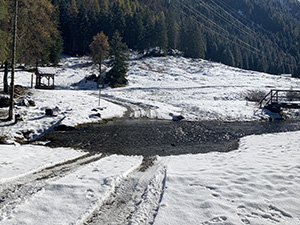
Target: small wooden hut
column 44, row 78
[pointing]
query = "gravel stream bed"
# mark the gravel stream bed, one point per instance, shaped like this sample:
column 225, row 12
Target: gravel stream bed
column 159, row 137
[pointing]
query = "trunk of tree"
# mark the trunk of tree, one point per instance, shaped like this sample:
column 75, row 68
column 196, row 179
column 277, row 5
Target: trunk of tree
column 12, row 85
column 100, row 65
column 5, row 78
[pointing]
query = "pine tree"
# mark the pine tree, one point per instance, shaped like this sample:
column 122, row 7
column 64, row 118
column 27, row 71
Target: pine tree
column 191, row 40
column 69, row 25
column 171, row 29
column 117, row 18
column 99, row 49
column 227, row 56
column 161, row 36
column 116, row 77
column 147, row 35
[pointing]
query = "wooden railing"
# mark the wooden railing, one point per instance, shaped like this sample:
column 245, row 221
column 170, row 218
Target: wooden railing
column 274, row 96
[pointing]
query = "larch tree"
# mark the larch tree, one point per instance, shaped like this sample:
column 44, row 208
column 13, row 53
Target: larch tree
column 99, row 49
column 38, row 33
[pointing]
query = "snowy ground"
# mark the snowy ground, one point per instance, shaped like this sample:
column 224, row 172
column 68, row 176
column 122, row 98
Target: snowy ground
column 256, row 184
column 158, row 88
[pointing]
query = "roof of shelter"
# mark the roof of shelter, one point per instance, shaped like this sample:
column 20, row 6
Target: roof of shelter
column 45, row 70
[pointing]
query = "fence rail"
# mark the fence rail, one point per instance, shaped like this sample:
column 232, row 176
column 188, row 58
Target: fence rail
column 281, row 98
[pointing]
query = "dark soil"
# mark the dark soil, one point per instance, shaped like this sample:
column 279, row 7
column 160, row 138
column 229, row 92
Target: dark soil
column 157, row 137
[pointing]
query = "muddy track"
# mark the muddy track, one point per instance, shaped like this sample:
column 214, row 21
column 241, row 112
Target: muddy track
column 20, row 189
column 140, row 190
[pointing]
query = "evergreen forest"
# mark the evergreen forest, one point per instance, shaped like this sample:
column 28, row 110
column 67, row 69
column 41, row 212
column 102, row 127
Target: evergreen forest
column 260, row 35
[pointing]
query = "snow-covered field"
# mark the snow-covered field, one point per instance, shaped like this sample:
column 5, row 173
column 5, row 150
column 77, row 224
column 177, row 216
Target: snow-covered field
column 256, row 184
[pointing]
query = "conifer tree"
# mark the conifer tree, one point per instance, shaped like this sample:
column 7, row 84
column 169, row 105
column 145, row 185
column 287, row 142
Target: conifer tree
column 191, row 40
column 171, row 29
column 116, row 77
column 161, row 35
column 99, row 49
column 147, row 35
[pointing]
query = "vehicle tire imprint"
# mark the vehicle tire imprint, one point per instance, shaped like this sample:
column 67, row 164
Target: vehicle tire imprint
column 20, row 189
column 135, row 200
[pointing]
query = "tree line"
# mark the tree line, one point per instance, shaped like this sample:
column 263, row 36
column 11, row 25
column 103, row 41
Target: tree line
column 252, row 34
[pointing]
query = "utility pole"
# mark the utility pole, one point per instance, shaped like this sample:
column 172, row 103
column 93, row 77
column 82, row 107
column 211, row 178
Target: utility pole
column 12, row 84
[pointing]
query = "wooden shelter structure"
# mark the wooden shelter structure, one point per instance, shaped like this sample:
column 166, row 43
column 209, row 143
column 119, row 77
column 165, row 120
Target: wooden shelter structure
column 44, row 78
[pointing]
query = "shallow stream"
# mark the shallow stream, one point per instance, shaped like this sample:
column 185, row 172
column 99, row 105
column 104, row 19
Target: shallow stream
column 160, row 137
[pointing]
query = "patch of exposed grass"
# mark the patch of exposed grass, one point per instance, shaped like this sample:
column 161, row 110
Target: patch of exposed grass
column 255, row 96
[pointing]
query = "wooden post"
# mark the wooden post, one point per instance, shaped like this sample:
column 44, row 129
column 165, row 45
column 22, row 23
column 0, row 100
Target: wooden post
column 12, row 85
column 32, row 80
column 271, row 96
column 99, row 97
column 5, row 78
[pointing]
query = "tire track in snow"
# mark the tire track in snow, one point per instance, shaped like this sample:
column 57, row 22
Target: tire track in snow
column 137, row 197
column 20, row 189
column 134, row 110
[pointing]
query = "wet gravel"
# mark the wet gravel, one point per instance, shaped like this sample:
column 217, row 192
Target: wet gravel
column 158, row 137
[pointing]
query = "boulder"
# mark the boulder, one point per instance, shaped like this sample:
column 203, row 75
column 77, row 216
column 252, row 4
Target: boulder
column 176, row 117
column 4, row 101
column 63, row 127
column 18, row 117
column 49, row 112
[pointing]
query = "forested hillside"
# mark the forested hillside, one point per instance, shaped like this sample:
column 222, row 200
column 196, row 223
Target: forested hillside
column 260, row 35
